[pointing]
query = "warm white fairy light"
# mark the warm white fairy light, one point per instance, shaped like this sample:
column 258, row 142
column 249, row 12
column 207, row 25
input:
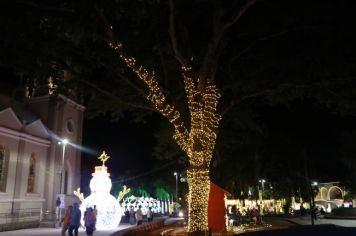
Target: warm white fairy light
column 109, row 210
column 198, row 143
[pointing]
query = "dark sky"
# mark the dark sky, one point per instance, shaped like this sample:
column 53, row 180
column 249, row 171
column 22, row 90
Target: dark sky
column 129, row 145
column 286, row 128
column 323, row 132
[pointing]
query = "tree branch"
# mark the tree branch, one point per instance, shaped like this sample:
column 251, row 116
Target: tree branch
column 173, row 35
column 114, row 97
column 45, row 8
column 256, row 41
column 163, row 64
column 266, row 92
column 237, row 15
column 127, row 80
column 241, row 99
column 156, row 96
column 216, row 44
column 110, row 39
column 133, row 85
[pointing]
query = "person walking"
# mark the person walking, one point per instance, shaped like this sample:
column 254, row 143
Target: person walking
column 132, row 216
column 89, row 221
column 74, row 222
column 139, row 215
column 66, row 219
column 149, row 214
column 95, row 211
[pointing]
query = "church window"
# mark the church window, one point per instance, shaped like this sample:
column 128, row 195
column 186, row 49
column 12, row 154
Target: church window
column 31, row 174
column 70, row 126
column 4, row 163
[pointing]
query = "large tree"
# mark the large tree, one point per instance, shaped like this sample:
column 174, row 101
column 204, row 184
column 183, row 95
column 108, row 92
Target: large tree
column 195, row 134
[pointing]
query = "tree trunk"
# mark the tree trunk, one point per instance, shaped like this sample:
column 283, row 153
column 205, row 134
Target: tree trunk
column 199, row 188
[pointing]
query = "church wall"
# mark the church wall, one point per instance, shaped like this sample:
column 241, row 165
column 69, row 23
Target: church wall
column 70, row 126
column 52, row 178
column 61, row 118
column 6, row 197
column 16, row 205
column 11, row 146
column 40, row 153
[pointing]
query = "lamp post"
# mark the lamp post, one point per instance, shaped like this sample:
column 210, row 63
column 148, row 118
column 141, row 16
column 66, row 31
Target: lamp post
column 176, row 175
column 313, row 185
column 64, row 143
column 262, row 181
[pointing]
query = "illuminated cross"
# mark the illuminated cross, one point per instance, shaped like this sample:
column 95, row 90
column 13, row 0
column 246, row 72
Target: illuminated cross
column 103, row 158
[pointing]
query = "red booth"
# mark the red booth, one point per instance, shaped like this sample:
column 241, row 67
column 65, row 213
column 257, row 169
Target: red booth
column 216, row 209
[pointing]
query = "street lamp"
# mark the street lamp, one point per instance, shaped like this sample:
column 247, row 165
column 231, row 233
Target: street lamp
column 64, row 143
column 314, row 185
column 260, row 193
column 176, row 175
column 262, row 181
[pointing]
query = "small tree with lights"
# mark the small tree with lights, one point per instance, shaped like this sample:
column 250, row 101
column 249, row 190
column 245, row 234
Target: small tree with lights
column 197, row 138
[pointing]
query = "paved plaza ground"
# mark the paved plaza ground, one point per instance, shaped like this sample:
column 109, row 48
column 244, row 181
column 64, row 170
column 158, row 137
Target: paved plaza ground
column 338, row 222
column 174, row 226
column 57, row 231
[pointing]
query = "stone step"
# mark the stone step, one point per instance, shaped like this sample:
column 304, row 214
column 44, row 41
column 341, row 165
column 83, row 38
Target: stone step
column 48, row 224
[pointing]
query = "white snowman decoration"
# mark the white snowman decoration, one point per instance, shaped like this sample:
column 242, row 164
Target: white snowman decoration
column 107, row 206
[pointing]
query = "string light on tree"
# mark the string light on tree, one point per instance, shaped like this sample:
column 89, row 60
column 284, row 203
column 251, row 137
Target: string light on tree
column 198, row 142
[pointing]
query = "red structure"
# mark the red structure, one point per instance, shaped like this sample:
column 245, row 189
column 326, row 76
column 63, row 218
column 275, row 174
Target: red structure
column 216, row 209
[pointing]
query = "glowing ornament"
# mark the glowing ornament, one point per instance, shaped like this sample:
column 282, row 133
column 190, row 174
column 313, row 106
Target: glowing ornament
column 108, row 208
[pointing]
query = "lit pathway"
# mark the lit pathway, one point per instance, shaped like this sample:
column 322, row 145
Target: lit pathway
column 57, row 231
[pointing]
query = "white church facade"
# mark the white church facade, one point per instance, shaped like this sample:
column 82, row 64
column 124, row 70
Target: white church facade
column 33, row 169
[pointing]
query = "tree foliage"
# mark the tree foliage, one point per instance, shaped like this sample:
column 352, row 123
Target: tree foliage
column 278, row 53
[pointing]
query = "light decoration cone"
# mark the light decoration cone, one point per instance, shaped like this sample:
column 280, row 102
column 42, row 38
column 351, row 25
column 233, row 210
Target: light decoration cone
column 198, row 142
column 108, row 208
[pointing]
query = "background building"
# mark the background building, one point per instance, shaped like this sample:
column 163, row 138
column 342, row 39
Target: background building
column 31, row 160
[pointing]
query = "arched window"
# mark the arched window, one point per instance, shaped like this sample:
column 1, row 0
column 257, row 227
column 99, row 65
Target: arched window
column 31, row 174
column 335, row 193
column 4, row 163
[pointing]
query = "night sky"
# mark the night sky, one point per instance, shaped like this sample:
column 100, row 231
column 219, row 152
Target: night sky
column 302, row 53
column 299, row 124
column 323, row 132
column 130, row 145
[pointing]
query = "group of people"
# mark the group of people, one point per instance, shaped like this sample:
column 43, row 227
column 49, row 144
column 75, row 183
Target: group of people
column 71, row 220
column 137, row 216
column 252, row 214
column 317, row 212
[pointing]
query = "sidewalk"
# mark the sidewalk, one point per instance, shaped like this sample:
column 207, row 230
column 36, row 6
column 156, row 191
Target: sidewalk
column 339, row 222
column 154, row 228
column 57, row 231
